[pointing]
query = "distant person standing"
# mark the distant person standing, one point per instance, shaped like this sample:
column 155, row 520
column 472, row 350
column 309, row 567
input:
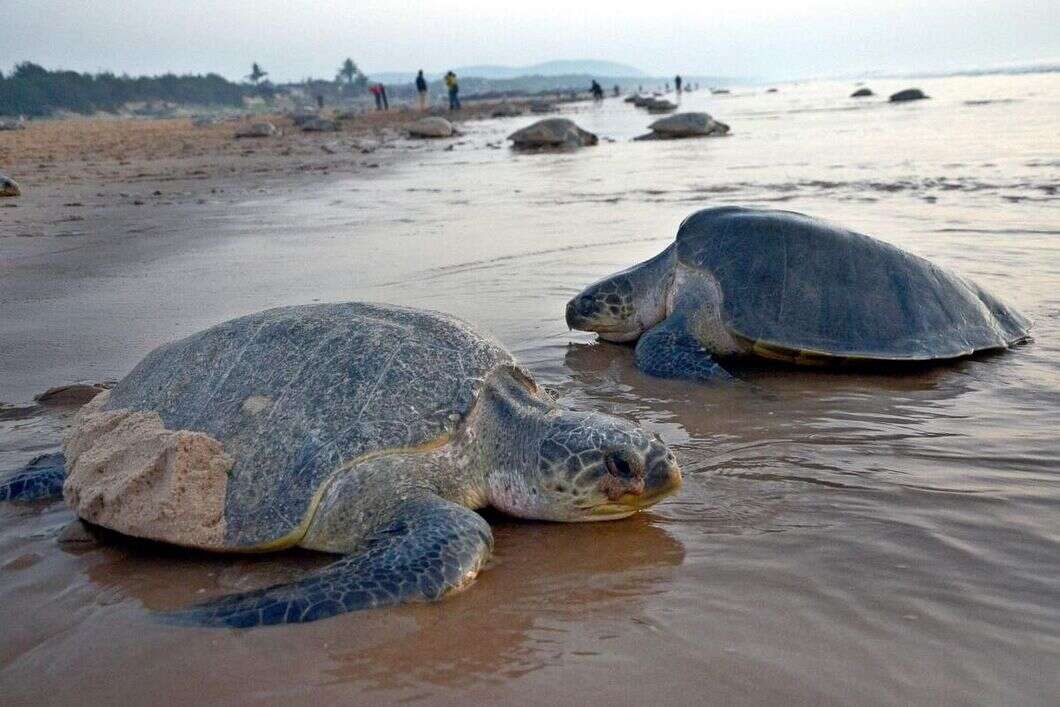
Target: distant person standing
column 616, row 90
column 598, row 91
column 421, row 90
column 374, row 89
column 677, row 83
column 454, row 90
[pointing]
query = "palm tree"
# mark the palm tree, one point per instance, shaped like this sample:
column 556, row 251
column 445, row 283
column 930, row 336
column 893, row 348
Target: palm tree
column 348, row 71
column 256, row 73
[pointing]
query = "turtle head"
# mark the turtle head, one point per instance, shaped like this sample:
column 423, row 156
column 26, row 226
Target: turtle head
column 625, row 305
column 552, row 464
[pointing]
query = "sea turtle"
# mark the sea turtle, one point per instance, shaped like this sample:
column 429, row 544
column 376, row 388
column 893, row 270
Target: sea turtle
column 909, row 94
column 685, row 125
column 431, row 126
column 781, row 285
column 8, row 186
column 257, row 130
column 369, row 430
column 551, row 133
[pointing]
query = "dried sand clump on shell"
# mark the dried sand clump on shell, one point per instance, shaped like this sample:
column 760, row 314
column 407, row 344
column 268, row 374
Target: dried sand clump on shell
column 127, row 472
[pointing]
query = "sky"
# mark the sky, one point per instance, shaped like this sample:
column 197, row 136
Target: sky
column 294, row 39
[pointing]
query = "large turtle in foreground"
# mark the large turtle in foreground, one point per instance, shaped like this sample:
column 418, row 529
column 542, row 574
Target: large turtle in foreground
column 366, row 430
column 742, row 282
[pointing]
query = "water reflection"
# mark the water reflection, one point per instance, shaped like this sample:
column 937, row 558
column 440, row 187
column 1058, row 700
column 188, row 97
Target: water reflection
column 546, row 581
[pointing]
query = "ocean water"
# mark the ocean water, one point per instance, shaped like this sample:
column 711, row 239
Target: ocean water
column 841, row 537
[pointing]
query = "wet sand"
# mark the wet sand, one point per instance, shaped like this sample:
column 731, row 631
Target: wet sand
column 841, row 538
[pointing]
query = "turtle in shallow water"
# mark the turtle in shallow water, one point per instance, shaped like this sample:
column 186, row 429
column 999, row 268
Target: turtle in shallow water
column 552, row 133
column 367, row 430
column 742, row 282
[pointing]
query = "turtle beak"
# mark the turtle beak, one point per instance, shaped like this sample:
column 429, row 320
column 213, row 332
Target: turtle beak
column 632, row 487
column 583, row 312
column 574, row 319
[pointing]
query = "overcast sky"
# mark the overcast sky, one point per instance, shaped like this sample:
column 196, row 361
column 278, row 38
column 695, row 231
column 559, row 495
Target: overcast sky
column 293, row 39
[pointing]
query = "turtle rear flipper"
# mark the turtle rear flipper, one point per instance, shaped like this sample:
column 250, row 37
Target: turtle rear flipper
column 41, row 479
column 429, row 547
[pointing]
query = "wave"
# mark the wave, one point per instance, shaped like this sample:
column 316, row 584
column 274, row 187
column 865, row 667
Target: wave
column 927, row 187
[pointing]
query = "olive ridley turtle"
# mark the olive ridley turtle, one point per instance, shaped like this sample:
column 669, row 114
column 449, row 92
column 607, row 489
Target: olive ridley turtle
column 743, row 282
column 366, row 430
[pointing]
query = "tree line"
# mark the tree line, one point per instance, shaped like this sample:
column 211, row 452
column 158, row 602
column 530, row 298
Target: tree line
column 34, row 91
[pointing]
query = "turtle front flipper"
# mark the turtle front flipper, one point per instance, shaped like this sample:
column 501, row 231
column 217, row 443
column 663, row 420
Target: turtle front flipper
column 428, row 548
column 41, row 479
column 670, row 350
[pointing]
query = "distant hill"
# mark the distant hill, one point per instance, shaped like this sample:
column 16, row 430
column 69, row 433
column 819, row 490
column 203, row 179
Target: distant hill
column 572, row 67
column 584, row 67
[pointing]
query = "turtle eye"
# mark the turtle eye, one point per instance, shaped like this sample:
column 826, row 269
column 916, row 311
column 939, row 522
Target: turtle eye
column 622, row 466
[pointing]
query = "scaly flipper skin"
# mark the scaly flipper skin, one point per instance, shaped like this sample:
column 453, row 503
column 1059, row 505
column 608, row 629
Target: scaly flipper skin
column 430, row 547
column 41, row 479
column 668, row 350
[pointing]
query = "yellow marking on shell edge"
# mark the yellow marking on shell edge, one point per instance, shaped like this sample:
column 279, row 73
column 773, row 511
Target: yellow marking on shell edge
column 799, row 357
column 295, row 536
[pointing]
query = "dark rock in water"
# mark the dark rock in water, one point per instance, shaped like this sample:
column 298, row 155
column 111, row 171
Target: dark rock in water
column 552, row 132
column 771, row 90
column 862, row 93
column 319, row 125
column 909, row 94
column 76, row 394
column 717, row 91
column 685, row 125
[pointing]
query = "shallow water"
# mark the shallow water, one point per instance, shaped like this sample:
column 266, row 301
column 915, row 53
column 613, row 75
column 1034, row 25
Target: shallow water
column 841, row 538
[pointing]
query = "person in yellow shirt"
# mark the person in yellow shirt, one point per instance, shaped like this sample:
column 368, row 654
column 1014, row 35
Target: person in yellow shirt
column 454, row 90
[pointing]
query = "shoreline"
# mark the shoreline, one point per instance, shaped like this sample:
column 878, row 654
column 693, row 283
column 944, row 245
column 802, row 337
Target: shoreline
column 106, row 199
column 70, row 166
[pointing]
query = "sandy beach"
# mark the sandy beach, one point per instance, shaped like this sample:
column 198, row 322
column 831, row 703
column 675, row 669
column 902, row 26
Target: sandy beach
column 74, row 167
column 840, row 538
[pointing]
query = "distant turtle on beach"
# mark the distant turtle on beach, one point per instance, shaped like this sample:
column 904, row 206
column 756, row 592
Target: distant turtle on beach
column 366, row 430
column 909, row 94
column 8, row 186
column 759, row 283
column 685, row 125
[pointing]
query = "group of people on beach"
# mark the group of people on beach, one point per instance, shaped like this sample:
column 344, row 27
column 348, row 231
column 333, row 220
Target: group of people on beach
column 452, row 85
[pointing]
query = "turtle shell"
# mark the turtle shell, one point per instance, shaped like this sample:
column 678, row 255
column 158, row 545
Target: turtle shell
column 295, row 393
column 795, row 287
